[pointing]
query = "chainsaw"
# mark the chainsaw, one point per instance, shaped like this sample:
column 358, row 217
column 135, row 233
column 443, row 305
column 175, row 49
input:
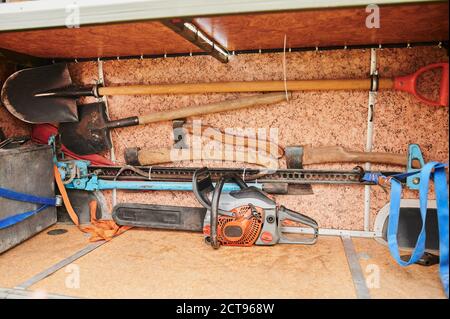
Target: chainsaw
column 244, row 217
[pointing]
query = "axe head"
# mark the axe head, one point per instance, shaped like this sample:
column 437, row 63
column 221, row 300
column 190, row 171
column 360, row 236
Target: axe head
column 294, row 156
column 294, row 159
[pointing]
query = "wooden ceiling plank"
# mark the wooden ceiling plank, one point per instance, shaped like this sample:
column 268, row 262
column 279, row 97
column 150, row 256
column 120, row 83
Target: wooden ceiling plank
column 337, row 27
column 28, row 15
column 113, row 40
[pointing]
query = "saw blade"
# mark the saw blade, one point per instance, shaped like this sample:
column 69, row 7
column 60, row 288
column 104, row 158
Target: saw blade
column 160, row 216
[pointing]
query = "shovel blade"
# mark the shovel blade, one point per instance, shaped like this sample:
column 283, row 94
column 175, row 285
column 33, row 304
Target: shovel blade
column 90, row 135
column 18, row 95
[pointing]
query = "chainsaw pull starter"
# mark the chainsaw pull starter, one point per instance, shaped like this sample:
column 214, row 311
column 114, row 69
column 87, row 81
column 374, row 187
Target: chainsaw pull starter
column 247, row 216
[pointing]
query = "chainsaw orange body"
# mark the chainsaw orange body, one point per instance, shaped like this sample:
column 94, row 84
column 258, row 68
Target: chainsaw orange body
column 245, row 217
column 241, row 230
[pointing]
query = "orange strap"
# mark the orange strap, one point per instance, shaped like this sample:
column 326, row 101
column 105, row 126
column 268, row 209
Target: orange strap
column 99, row 229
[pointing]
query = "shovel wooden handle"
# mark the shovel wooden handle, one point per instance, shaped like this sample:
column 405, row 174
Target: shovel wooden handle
column 337, row 154
column 135, row 156
column 224, row 106
column 253, row 86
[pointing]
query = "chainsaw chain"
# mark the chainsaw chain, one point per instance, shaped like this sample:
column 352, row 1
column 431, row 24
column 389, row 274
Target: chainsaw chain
column 291, row 176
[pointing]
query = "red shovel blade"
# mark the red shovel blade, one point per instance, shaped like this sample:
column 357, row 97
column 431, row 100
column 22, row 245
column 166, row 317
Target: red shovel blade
column 40, row 133
column 408, row 84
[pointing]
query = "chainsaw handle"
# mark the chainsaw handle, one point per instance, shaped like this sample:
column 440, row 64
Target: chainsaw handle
column 214, row 211
column 408, row 84
column 213, row 238
column 287, row 214
column 202, row 184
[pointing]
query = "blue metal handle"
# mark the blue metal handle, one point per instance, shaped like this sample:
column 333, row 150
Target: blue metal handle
column 93, row 183
column 99, row 184
column 414, row 154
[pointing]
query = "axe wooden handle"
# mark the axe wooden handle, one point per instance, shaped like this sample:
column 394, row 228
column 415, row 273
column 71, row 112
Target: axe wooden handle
column 337, row 154
column 223, row 106
column 253, row 86
column 134, row 156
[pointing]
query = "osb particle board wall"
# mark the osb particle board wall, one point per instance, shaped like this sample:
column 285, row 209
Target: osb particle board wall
column 10, row 125
column 310, row 118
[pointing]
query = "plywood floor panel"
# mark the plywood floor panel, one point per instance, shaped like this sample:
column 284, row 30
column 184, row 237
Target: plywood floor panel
column 395, row 281
column 38, row 253
column 164, row 264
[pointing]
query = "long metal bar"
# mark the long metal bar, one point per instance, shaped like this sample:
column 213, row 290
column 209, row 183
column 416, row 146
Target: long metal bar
column 104, row 99
column 369, row 136
column 11, row 293
column 52, row 269
column 362, row 292
column 79, row 175
column 50, row 13
column 441, row 44
column 197, row 37
column 332, row 232
column 150, row 186
column 161, row 173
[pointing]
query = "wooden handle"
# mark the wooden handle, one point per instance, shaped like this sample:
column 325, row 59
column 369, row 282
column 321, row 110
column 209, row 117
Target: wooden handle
column 223, row 106
column 167, row 155
column 254, row 86
column 337, row 154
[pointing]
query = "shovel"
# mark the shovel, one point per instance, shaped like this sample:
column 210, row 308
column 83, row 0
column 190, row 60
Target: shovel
column 91, row 134
column 46, row 94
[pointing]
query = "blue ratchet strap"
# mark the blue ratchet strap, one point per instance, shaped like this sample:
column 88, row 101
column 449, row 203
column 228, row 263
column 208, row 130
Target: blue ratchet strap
column 374, row 177
column 440, row 181
column 10, row 194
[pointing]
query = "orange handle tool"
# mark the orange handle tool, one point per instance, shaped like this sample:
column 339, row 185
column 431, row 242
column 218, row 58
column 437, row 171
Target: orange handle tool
column 408, row 84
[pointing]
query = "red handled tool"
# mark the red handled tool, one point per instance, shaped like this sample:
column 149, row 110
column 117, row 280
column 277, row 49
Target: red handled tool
column 408, row 84
column 46, row 94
